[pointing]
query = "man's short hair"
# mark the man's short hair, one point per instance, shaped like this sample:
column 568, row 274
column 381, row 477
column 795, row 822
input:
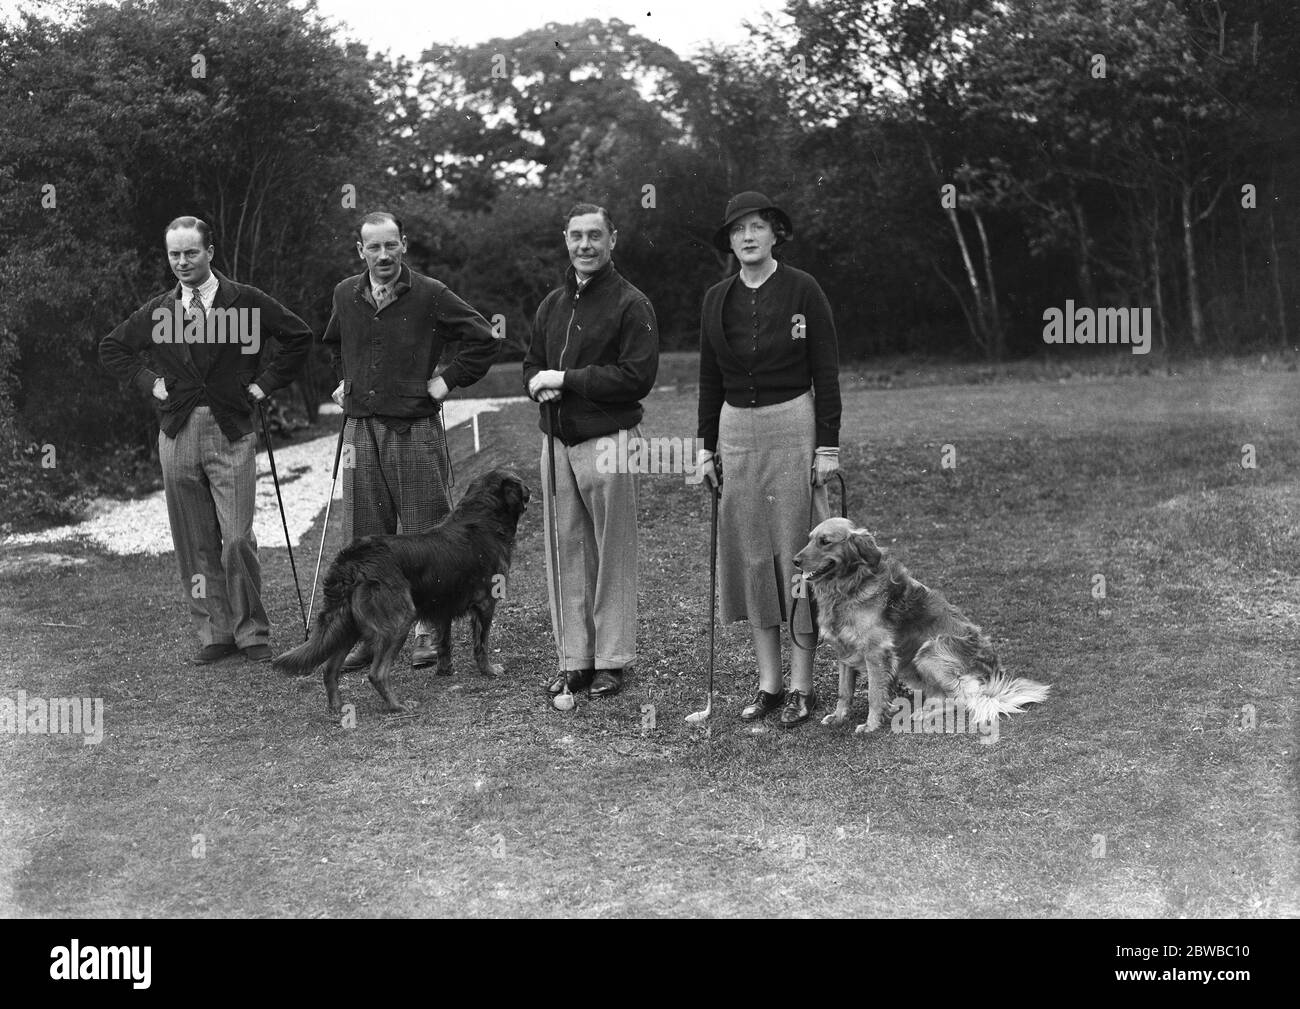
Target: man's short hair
column 380, row 217
column 578, row 209
column 205, row 233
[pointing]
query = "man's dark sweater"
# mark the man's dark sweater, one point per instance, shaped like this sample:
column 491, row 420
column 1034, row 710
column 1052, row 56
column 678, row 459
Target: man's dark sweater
column 220, row 376
column 388, row 356
column 605, row 339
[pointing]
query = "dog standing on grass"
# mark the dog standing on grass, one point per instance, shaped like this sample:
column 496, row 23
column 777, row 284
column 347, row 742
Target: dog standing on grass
column 378, row 586
column 882, row 620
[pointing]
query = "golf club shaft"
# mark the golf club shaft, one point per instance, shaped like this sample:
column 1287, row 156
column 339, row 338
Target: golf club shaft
column 555, row 541
column 713, row 585
column 338, row 451
column 275, row 479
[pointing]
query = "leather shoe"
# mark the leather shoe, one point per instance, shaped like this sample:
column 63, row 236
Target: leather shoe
column 215, row 653
column 424, row 653
column 579, row 679
column 798, row 706
column 257, row 653
column 607, row 683
column 360, row 657
column 762, row 705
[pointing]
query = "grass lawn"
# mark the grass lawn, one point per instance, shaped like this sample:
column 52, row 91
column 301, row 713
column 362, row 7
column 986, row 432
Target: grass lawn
column 228, row 791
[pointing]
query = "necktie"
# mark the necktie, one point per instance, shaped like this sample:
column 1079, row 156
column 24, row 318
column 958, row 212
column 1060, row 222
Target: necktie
column 382, row 297
column 199, row 351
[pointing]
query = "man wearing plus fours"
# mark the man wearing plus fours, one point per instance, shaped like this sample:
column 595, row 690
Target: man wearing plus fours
column 593, row 358
column 201, row 380
column 385, row 337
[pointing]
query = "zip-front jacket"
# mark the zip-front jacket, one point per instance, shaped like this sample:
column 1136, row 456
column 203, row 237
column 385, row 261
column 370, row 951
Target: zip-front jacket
column 605, row 339
column 153, row 343
column 386, row 358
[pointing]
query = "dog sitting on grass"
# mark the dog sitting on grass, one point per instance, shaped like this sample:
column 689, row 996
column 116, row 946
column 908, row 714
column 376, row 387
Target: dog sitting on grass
column 882, row 620
column 379, row 585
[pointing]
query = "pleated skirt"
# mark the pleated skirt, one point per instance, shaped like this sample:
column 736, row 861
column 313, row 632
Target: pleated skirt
column 768, row 506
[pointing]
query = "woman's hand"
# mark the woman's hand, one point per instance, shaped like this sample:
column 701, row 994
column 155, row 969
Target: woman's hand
column 823, row 467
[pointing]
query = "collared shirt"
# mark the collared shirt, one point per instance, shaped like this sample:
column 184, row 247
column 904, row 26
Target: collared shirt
column 207, row 293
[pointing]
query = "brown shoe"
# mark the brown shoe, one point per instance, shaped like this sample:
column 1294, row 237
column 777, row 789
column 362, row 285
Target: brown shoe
column 425, row 653
column 215, row 653
column 798, row 706
column 607, row 683
column 579, row 679
column 360, row 657
column 762, row 705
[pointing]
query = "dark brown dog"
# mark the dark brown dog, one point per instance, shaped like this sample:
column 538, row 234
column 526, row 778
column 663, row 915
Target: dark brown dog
column 379, row 586
column 882, row 620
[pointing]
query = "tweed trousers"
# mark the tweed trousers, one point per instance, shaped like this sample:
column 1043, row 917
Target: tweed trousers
column 209, row 484
column 398, row 482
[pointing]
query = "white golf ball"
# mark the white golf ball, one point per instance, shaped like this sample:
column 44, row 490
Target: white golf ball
column 563, row 702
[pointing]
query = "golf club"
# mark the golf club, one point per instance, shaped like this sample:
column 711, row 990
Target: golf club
column 564, row 700
column 696, row 717
column 338, row 451
column 275, row 478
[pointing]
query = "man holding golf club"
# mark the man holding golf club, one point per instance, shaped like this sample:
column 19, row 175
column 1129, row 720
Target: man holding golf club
column 204, row 379
column 385, row 337
column 593, row 357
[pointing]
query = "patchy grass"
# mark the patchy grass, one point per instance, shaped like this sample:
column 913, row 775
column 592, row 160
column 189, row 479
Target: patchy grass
column 487, row 802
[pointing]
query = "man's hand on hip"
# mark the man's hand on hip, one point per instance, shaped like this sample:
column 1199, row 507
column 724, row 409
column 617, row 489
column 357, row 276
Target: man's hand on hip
column 160, row 389
column 337, row 394
column 255, row 391
column 438, row 390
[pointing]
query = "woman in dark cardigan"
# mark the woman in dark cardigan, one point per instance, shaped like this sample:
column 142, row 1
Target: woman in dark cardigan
column 769, row 419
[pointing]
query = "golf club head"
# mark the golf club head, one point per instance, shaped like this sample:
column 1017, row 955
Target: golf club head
column 564, row 700
column 700, row 717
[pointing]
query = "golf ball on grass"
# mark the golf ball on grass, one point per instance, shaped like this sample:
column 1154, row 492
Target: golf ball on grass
column 563, row 702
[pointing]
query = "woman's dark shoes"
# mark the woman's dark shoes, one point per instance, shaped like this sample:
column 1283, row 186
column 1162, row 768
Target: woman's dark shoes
column 798, row 706
column 762, row 705
column 579, row 679
column 607, row 683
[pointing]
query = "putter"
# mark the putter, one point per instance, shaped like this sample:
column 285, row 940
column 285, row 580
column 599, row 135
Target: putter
column 338, row 451
column 275, row 478
column 564, row 700
column 696, row 717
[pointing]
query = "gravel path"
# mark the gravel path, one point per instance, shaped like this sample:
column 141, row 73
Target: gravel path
column 140, row 526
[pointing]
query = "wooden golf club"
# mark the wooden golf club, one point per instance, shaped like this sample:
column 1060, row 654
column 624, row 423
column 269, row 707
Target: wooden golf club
column 338, row 451
column 696, row 717
column 564, row 700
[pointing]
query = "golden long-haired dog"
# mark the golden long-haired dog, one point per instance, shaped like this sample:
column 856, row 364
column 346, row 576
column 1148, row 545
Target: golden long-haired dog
column 882, row 620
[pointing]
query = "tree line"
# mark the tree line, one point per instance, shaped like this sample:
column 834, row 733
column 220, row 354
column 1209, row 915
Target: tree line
column 954, row 169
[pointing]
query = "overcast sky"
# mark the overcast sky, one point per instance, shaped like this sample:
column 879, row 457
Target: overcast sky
column 410, row 26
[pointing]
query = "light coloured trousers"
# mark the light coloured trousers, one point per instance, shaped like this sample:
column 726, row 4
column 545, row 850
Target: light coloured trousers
column 595, row 515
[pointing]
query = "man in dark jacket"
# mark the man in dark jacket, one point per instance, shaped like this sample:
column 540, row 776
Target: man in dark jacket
column 385, row 338
column 198, row 350
column 593, row 358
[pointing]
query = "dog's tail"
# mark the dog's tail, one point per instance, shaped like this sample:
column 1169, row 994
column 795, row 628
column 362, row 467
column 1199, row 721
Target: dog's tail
column 334, row 630
column 1006, row 695
column 976, row 677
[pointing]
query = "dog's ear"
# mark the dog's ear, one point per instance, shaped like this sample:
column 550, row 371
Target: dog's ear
column 864, row 545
